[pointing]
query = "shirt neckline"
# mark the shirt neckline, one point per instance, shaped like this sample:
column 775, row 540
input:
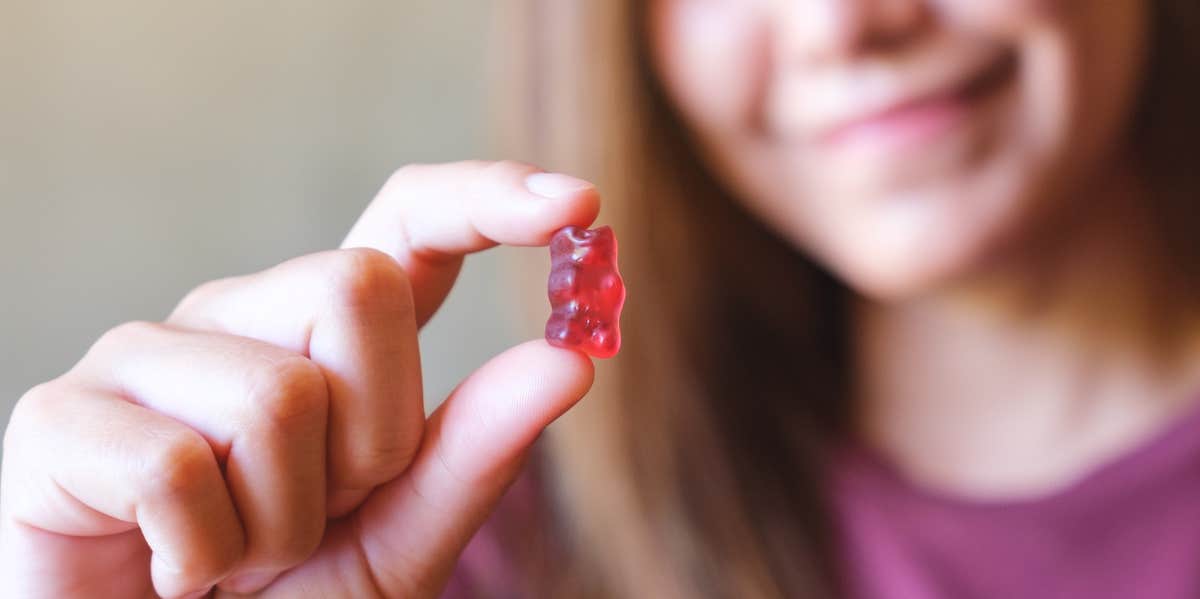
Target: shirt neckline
column 1173, row 445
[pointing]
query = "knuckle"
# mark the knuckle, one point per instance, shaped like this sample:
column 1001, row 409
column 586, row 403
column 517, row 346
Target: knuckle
column 368, row 279
column 402, row 184
column 287, row 390
column 33, row 400
column 199, row 296
column 510, row 168
column 404, row 174
column 125, row 334
column 375, row 462
column 414, row 173
column 27, row 416
column 218, row 556
column 179, row 465
column 297, row 543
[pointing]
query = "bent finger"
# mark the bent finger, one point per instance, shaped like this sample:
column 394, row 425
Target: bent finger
column 351, row 313
column 261, row 409
column 99, row 465
column 428, row 216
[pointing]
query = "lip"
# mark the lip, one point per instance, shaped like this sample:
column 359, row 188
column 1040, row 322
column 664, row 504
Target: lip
column 908, row 122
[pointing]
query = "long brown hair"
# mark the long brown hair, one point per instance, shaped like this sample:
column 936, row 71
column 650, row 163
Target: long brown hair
column 695, row 468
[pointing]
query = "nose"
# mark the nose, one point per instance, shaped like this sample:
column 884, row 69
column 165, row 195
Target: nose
column 821, row 30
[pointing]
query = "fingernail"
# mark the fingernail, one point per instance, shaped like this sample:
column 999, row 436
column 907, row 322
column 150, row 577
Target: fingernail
column 248, row 582
column 554, row 185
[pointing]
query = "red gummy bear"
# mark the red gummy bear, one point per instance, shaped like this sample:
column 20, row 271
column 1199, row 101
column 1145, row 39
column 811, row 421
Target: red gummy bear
column 586, row 291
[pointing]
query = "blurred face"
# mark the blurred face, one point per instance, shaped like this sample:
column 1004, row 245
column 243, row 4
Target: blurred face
column 903, row 143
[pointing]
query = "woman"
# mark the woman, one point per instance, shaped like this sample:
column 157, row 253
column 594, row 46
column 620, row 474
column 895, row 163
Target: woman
column 911, row 316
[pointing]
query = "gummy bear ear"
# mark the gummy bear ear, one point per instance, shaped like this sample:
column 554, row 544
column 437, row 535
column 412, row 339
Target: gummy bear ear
column 561, row 242
column 573, row 235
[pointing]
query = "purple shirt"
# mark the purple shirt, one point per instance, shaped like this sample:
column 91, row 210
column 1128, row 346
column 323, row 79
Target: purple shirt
column 1129, row 529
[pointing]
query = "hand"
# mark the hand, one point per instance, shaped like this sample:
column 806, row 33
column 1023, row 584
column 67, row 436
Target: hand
column 269, row 437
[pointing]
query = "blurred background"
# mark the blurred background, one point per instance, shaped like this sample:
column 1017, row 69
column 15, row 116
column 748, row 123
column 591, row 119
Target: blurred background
column 146, row 147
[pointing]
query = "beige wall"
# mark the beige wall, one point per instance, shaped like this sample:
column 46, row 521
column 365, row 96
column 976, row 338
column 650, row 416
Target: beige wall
column 148, row 146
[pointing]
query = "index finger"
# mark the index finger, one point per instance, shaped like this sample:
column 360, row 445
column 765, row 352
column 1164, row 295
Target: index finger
column 428, row 217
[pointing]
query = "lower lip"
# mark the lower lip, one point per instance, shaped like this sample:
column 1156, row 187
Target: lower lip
column 903, row 129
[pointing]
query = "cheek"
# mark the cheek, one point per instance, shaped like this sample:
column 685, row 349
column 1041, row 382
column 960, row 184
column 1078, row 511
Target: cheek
column 1079, row 73
column 1079, row 70
column 1078, row 80
column 1079, row 63
column 711, row 56
column 1100, row 52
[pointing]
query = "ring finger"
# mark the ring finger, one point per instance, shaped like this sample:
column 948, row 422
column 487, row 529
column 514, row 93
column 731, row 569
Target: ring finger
column 351, row 313
column 263, row 410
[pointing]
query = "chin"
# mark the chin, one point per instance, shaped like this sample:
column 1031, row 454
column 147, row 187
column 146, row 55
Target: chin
column 891, row 269
column 895, row 280
column 898, row 246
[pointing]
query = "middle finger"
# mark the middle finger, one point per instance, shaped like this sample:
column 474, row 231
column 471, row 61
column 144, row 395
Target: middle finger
column 261, row 408
column 351, row 312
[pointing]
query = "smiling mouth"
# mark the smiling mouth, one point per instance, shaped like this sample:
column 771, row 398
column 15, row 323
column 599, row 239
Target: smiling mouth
column 913, row 122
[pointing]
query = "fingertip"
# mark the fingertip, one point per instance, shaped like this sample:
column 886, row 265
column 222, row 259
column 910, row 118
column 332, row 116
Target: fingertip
column 577, row 364
column 578, row 197
column 579, row 207
column 556, row 186
column 588, row 205
column 544, row 203
column 571, row 371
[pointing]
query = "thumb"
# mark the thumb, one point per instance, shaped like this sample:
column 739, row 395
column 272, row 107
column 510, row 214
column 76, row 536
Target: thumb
column 414, row 528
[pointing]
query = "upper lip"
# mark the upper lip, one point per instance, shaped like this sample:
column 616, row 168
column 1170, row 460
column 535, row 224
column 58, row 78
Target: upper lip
column 912, row 91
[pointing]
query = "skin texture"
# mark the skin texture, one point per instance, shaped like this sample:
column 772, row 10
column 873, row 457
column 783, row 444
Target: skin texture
column 269, row 437
column 960, row 164
column 767, row 86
